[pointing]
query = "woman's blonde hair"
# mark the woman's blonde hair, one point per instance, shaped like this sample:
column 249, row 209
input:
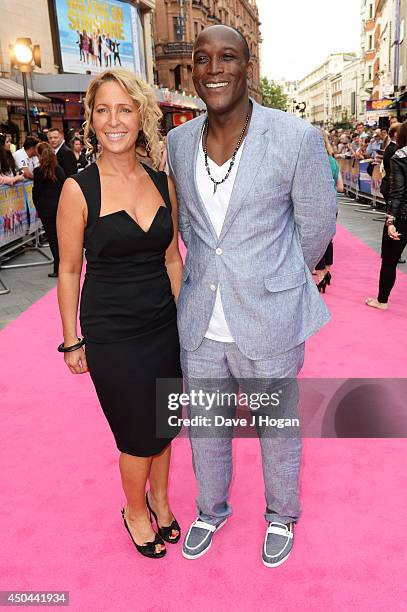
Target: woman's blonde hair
column 328, row 145
column 143, row 96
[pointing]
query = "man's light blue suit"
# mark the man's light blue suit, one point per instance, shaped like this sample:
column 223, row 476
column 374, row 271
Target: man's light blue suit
column 280, row 219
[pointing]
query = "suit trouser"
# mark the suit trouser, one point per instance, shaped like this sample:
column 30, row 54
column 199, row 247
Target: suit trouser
column 221, row 367
column 50, row 228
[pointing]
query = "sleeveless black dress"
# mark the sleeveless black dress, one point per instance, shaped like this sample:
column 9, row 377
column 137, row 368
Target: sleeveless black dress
column 128, row 315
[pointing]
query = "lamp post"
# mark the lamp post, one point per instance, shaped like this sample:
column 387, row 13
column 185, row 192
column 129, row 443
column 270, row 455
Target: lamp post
column 24, row 56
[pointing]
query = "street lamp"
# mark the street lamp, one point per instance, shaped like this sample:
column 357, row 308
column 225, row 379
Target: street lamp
column 24, row 56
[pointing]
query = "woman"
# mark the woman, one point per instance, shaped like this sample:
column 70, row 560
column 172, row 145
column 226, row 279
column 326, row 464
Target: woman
column 48, row 179
column 387, row 155
column 8, row 174
column 394, row 237
column 125, row 215
column 323, row 268
column 85, row 45
column 78, row 150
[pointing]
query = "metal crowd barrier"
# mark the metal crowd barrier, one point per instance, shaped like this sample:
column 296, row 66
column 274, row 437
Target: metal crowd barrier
column 361, row 184
column 19, row 227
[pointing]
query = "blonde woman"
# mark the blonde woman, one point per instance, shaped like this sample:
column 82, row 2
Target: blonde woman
column 125, row 216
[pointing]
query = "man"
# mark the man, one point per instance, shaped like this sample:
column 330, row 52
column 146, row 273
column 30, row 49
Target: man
column 375, row 145
column 255, row 218
column 66, row 158
column 26, row 158
column 344, row 146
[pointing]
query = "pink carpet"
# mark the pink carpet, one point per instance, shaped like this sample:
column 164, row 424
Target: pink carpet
column 61, row 494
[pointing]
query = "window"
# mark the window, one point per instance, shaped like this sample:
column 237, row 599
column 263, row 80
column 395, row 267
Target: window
column 371, row 11
column 370, row 42
column 178, row 30
column 196, row 29
column 369, row 73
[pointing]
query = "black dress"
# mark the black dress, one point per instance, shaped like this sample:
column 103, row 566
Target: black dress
column 128, row 316
column 46, row 197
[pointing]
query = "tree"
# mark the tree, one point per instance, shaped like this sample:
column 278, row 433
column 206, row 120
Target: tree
column 272, row 94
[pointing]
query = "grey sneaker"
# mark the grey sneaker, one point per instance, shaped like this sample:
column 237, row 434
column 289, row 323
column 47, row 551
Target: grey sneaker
column 199, row 538
column 278, row 544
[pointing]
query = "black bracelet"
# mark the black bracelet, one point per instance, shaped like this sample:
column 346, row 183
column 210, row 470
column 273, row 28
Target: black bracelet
column 68, row 349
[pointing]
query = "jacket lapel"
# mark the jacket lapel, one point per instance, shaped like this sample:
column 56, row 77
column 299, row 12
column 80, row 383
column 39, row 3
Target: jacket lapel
column 191, row 155
column 254, row 149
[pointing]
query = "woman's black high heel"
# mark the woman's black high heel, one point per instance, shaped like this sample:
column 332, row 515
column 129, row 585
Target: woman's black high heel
column 322, row 285
column 147, row 549
column 165, row 532
column 328, row 277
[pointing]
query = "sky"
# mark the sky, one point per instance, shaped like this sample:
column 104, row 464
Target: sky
column 298, row 35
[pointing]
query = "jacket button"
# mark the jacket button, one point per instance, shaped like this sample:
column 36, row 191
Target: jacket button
column 218, row 251
column 212, row 287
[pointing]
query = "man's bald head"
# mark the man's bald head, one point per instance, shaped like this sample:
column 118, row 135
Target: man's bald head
column 217, row 30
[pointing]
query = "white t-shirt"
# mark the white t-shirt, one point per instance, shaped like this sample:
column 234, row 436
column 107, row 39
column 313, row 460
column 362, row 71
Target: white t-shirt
column 216, row 205
column 23, row 161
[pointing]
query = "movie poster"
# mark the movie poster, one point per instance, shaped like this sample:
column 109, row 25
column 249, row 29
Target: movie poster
column 99, row 34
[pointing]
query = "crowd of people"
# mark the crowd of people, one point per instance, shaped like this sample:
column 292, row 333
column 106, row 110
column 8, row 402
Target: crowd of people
column 361, row 143
column 387, row 149
column 45, row 159
column 98, row 48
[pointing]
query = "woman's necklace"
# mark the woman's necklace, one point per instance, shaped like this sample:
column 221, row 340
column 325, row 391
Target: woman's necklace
column 232, row 161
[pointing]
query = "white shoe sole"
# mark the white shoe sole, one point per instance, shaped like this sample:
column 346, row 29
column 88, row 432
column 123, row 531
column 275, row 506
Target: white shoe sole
column 267, row 564
column 187, row 556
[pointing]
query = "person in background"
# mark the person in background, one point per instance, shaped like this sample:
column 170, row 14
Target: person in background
column 343, row 146
column 79, row 152
column 85, row 45
column 375, row 145
column 384, row 135
column 387, row 155
column 9, row 139
column 66, row 159
column 26, row 158
column 355, row 145
column 116, row 52
column 394, row 237
column 49, row 178
column 323, row 267
column 8, row 174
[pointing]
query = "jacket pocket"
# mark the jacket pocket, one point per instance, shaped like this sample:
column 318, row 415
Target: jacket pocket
column 288, row 281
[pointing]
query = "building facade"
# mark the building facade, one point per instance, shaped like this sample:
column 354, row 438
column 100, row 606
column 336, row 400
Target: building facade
column 77, row 39
column 290, row 89
column 177, row 25
column 316, row 89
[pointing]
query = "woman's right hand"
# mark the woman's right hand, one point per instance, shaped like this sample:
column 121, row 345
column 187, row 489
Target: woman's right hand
column 76, row 361
column 393, row 233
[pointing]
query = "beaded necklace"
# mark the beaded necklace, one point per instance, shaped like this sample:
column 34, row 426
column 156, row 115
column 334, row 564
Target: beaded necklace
column 232, row 161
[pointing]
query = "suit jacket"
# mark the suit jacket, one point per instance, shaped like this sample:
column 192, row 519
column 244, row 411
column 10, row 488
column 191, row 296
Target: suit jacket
column 67, row 161
column 280, row 219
